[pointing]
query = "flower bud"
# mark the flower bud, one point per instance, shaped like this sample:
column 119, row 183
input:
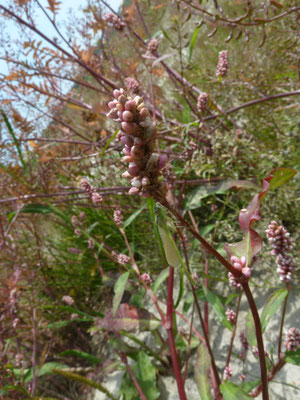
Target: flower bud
column 136, row 183
column 120, row 107
column 247, row 272
column 145, row 181
column 127, row 150
column 137, row 152
column 138, row 100
column 130, row 105
column 134, row 169
column 134, row 190
column 140, row 106
column 116, row 93
column 127, row 140
column 128, row 127
column 112, row 104
column 122, row 99
column 162, row 161
column 127, row 159
column 126, row 175
column 127, row 116
column 113, row 114
column 143, row 114
column 120, row 114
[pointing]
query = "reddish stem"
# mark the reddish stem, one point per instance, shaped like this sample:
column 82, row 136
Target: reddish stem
column 169, row 327
column 260, row 343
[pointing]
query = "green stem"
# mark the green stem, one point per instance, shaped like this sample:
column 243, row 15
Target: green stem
column 282, row 320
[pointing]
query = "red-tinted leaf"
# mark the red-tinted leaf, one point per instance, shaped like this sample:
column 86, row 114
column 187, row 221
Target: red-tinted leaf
column 128, row 318
column 252, row 242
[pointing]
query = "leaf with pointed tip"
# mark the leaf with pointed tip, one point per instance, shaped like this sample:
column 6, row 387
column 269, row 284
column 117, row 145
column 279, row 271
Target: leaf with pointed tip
column 194, row 198
column 119, row 289
column 202, row 371
column 251, row 245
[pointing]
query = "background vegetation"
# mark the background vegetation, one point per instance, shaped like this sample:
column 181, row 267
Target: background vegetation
column 54, row 133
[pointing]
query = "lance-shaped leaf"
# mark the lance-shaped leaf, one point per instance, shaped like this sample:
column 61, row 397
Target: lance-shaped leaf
column 128, row 318
column 119, row 289
column 202, row 369
column 252, row 242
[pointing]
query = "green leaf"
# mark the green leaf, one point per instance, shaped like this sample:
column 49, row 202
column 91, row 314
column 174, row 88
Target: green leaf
column 92, row 226
column 160, row 279
column 146, row 375
column 119, row 289
column 250, row 329
column 47, row 369
column 15, row 140
column 204, row 231
column 133, row 216
column 230, row 391
column 271, row 306
column 194, row 198
column 82, row 354
column 202, row 371
column 193, row 41
column 109, row 142
column 281, row 176
column 218, row 308
column 293, row 357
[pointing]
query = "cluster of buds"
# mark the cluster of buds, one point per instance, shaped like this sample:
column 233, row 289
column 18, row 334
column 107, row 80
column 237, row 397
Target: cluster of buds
column 279, row 238
column 227, row 373
column 122, row 259
column 244, row 341
column 292, row 339
column 233, row 281
column 132, row 85
column 91, row 191
column 137, row 135
column 146, row 278
column 223, row 64
column 231, row 316
column 115, row 21
column 68, row 300
column 152, row 46
column 118, row 218
column 241, row 265
column 202, row 101
column 281, row 243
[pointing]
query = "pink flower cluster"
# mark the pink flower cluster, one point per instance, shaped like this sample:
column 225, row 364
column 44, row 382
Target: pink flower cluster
column 223, row 64
column 137, row 135
column 152, row 46
column 146, row 278
column 231, row 316
column 227, row 373
column 91, row 191
column 241, row 265
column 118, row 218
column 132, row 85
column 282, row 243
column 292, row 339
column 202, row 101
column 115, row 21
column 122, row 259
